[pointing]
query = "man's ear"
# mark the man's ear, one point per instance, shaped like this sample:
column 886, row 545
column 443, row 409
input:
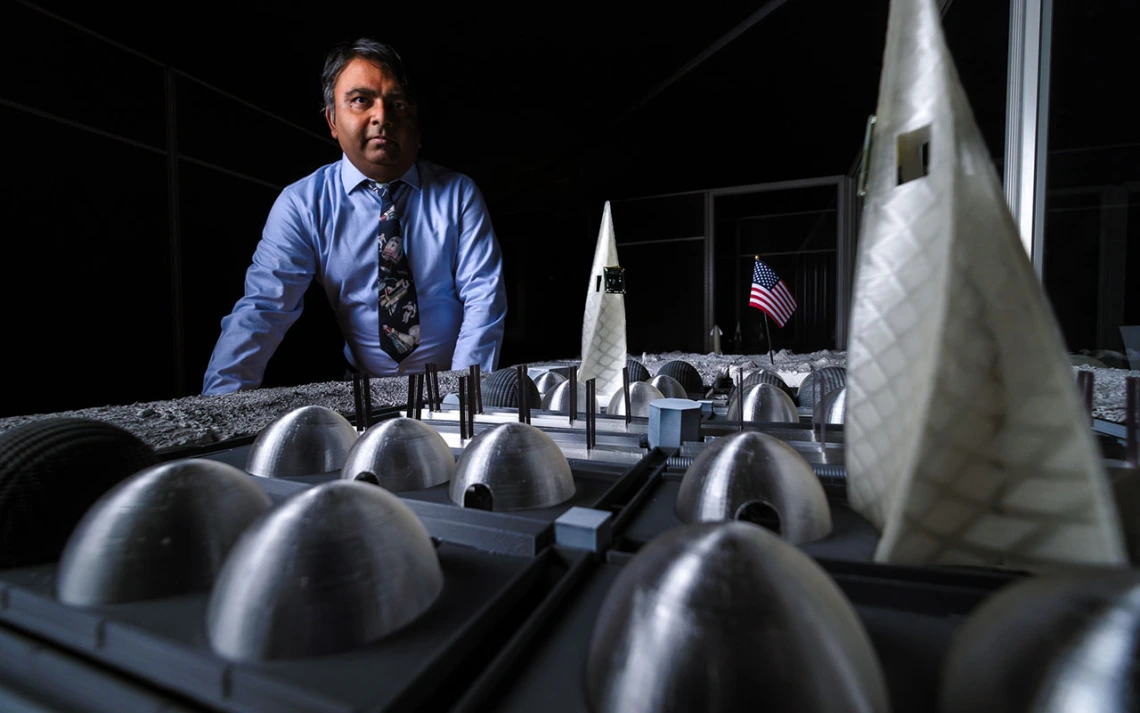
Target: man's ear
column 330, row 117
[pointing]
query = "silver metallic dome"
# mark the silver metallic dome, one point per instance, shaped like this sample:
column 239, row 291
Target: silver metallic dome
column 1065, row 642
column 685, row 373
column 162, row 532
column 514, row 466
column 306, row 441
column 547, row 381
column 763, row 376
column 669, row 387
column 332, row 568
column 641, row 394
column 724, row 617
column 765, row 403
column 400, row 454
column 558, row 399
column 759, row 478
column 832, row 408
column 820, row 383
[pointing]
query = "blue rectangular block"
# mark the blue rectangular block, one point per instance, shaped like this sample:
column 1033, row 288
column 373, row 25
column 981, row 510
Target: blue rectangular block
column 673, row 421
column 583, row 529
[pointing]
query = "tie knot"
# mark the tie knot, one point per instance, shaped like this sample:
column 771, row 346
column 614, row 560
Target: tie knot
column 384, row 190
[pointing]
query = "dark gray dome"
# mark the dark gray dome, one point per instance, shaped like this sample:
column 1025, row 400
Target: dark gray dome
column 513, row 466
column 51, row 472
column 641, row 394
column 685, row 373
column 1065, row 642
column 669, row 387
column 764, row 403
column 756, row 477
column 335, row 567
column 400, row 454
column 726, row 617
column 822, row 381
column 162, row 532
column 305, row 441
column 559, row 398
column 501, row 390
column 764, row 376
column 547, row 381
column 637, row 370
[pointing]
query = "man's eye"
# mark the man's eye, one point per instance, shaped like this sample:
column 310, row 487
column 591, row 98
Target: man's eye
column 400, row 105
column 357, row 101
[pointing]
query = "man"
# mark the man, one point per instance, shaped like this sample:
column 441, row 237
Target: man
column 403, row 248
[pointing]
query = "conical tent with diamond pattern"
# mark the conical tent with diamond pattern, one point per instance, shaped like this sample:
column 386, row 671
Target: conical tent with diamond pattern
column 965, row 440
column 603, row 326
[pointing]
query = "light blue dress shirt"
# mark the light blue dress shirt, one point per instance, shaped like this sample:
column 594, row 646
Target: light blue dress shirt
column 325, row 226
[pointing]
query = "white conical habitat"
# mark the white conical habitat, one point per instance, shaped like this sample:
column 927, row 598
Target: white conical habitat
column 603, row 325
column 966, row 442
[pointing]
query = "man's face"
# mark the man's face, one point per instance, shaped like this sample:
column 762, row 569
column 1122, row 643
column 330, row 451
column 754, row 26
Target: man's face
column 375, row 123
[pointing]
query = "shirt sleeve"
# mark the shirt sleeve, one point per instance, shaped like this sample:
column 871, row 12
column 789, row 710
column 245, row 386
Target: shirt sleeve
column 283, row 266
column 479, row 284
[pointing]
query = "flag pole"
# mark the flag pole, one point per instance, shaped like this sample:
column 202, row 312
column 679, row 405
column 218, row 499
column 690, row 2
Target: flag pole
column 768, row 332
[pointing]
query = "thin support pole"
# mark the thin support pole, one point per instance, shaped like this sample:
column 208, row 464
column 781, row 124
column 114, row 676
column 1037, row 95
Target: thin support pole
column 768, row 333
column 462, row 409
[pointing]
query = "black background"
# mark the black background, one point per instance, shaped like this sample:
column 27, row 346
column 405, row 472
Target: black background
column 547, row 108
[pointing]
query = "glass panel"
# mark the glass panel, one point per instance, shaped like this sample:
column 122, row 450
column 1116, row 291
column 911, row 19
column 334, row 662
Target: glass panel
column 224, row 132
column 794, row 232
column 664, row 218
column 65, row 72
column 87, row 295
column 977, row 34
column 665, row 279
column 1092, row 238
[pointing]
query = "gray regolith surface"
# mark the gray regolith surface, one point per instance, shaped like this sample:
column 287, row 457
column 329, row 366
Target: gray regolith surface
column 201, row 420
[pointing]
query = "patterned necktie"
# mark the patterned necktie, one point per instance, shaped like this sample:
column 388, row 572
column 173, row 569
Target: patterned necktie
column 399, row 311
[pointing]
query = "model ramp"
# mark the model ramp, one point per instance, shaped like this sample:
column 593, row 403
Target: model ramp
column 965, row 441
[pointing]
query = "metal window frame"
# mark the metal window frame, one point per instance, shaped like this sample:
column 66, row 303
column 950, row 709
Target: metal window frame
column 1027, row 120
column 844, row 240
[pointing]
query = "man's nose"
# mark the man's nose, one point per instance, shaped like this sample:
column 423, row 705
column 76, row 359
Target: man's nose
column 379, row 114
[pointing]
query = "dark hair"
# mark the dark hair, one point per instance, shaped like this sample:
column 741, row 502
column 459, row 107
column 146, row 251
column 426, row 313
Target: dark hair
column 363, row 48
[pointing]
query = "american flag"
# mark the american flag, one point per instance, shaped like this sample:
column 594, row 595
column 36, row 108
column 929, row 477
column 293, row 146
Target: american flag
column 770, row 294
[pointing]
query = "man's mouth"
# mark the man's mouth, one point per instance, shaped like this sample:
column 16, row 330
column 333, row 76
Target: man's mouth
column 381, row 140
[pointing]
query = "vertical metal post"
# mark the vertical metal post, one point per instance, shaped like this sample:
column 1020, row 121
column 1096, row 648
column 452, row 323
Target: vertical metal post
column 1085, row 384
column 478, row 386
column 462, row 408
column 366, row 387
column 844, row 258
column 474, row 371
column 472, row 390
column 591, row 413
column 740, row 399
column 625, row 395
column 411, row 395
column 174, row 223
column 573, row 394
column 1131, row 424
column 419, row 396
column 1027, row 120
column 358, row 402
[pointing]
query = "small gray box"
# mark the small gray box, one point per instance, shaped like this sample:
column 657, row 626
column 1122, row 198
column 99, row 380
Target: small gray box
column 672, row 421
column 583, row 529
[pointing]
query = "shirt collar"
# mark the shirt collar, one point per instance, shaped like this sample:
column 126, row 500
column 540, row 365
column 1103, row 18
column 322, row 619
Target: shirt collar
column 352, row 178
